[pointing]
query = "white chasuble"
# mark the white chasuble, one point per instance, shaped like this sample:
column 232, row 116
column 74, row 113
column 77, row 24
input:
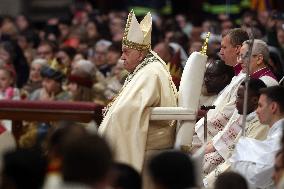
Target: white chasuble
column 126, row 125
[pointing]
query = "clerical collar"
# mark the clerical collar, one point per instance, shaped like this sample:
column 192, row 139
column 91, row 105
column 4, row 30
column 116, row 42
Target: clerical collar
column 265, row 71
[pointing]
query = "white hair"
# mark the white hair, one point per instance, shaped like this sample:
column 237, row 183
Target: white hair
column 103, row 43
column 85, row 65
column 40, row 61
column 259, row 47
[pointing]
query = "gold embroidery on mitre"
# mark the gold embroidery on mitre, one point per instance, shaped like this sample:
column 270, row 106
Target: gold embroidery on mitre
column 138, row 36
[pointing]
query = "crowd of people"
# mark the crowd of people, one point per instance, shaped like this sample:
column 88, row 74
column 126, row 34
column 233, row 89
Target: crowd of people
column 115, row 61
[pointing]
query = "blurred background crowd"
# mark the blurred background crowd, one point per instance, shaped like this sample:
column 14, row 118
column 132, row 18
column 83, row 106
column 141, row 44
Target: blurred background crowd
column 69, row 50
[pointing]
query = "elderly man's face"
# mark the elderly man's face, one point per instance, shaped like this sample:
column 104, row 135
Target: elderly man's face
column 131, row 58
column 256, row 60
column 100, row 57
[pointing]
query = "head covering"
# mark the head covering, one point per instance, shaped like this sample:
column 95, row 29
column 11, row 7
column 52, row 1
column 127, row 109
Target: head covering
column 85, row 80
column 138, row 36
column 54, row 70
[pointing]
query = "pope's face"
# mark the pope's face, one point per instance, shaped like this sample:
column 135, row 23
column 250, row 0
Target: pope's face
column 131, row 58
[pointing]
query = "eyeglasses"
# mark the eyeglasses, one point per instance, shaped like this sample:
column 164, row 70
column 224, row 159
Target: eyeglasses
column 245, row 57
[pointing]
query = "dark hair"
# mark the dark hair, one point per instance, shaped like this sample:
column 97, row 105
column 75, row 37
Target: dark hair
column 255, row 85
column 66, row 131
column 18, row 60
column 86, row 160
column 70, row 51
column 276, row 94
column 172, row 169
column 31, row 37
column 237, row 36
column 25, row 168
column 276, row 58
column 115, row 46
column 126, row 177
column 230, row 180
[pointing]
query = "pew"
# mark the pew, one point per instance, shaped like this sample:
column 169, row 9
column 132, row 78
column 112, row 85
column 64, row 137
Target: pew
column 45, row 111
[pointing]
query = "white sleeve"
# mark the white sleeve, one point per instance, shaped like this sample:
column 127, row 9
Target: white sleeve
column 257, row 175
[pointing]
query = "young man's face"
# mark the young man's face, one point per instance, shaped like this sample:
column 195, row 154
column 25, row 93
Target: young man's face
column 263, row 110
column 131, row 58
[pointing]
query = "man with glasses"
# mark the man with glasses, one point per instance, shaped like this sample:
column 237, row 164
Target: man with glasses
column 258, row 66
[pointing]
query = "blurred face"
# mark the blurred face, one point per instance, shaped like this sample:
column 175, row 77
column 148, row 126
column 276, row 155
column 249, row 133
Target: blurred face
column 22, row 22
column 280, row 36
column 264, row 110
column 195, row 46
column 213, row 79
column 35, row 73
column 252, row 101
column 50, row 85
column 22, row 42
column 243, row 59
column 76, row 58
column 72, row 88
column 64, row 30
column 45, row 52
column 100, row 55
column 64, row 58
column 228, row 53
column 5, row 80
column 240, row 99
column 4, row 56
column 91, row 30
column 116, row 25
column 163, row 52
column 112, row 57
column 131, row 58
column 278, row 169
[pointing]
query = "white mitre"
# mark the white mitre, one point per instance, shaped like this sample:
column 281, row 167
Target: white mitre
column 138, row 36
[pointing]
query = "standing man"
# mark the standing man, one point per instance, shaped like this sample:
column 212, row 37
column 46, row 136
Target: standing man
column 252, row 158
column 127, row 124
